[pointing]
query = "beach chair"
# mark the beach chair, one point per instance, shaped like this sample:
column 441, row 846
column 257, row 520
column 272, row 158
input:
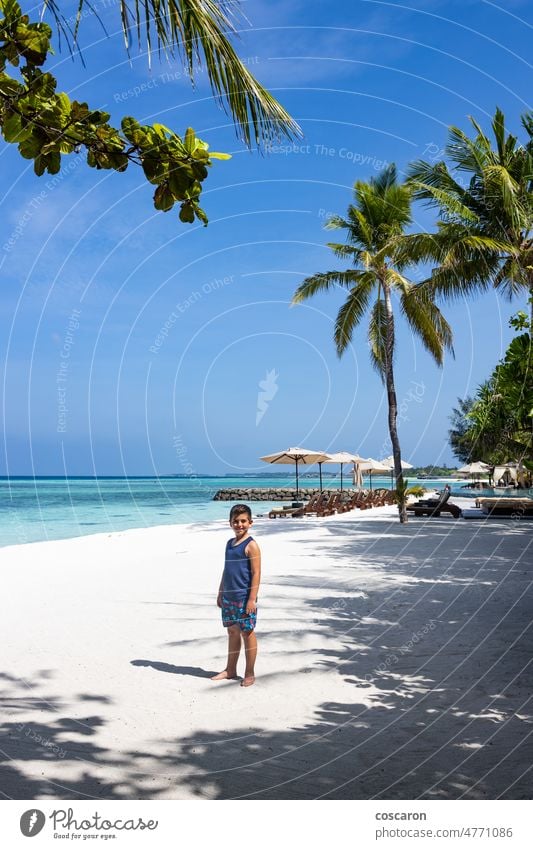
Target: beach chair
column 367, row 502
column 314, row 506
column 295, row 512
column 355, row 501
column 284, row 512
column 381, row 497
column 331, row 506
column 436, row 506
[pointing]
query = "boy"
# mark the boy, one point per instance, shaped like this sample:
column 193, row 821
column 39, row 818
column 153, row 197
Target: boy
column 237, row 595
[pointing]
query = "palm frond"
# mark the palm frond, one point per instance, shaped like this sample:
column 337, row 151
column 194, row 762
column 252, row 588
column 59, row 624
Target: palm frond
column 427, row 321
column 377, row 337
column 396, row 280
column 325, row 281
column 467, row 154
column 352, row 311
column 512, row 278
column 447, row 201
column 459, row 280
column 385, row 179
column 414, row 248
column 197, row 32
column 337, row 222
column 345, row 251
column 361, row 229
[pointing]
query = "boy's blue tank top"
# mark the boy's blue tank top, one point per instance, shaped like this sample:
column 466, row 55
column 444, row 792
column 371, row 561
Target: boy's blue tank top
column 237, row 571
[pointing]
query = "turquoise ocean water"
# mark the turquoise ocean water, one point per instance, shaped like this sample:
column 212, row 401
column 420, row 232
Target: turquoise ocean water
column 35, row 509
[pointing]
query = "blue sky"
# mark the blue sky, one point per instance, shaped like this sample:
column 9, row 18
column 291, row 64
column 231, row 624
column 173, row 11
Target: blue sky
column 134, row 344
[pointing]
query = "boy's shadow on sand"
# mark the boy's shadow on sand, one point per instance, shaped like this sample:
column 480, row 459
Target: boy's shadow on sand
column 194, row 671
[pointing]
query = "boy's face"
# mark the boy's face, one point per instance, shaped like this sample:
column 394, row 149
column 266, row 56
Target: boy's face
column 241, row 523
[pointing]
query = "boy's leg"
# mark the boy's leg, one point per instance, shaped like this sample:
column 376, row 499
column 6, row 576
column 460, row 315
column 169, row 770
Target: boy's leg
column 234, row 648
column 250, row 648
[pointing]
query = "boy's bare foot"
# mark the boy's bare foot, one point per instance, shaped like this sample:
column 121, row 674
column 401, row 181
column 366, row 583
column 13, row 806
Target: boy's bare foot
column 223, row 676
column 248, row 680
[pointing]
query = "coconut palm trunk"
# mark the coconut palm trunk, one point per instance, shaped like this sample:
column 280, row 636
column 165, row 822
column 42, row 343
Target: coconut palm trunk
column 391, row 398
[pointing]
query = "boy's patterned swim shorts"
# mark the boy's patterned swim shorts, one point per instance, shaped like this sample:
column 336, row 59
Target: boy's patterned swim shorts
column 234, row 613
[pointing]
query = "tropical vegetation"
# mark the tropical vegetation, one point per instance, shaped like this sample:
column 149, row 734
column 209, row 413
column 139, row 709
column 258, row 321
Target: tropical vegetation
column 46, row 125
column 484, row 199
column 497, row 423
column 484, row 239
column 375, row 228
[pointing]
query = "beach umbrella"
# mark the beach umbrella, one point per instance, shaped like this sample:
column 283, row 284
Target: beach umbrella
column 474, row 469
column 389, row 463
column 342, row 457
column 370, row 465
column 295, row 456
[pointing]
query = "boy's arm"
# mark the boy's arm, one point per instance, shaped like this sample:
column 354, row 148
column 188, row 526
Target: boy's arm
column 254, row 553
column 220, row 588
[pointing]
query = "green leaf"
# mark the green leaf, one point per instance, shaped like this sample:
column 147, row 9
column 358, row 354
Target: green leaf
column 162, row 130
column 9, row 87
column 187, row 213
column 132, row 130
column 79, row 111
column 118, row 161
column 189, row 140
column 163, row 198
column 39, row 166
column 63, row 101
column 200, row 214
column 30, row 147
column 12, row 128
column 220, row 155
column 53, row 162
column 179, row 182
column 32, row 44
column 154, row 170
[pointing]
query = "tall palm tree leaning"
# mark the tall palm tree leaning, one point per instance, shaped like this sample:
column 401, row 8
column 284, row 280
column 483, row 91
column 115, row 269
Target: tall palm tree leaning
column 375, row 227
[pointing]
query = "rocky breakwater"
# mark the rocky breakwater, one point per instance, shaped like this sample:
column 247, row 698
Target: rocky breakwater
column 266, row 494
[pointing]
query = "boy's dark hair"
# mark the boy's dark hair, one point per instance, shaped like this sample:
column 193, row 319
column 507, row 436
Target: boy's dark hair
column 237, row 509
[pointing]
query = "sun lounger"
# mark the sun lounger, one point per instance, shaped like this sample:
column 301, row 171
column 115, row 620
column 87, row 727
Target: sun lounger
column 285, row 512
column 333, row 504
column 436, row 506
column 381, row 497
column 356, row 500
column 515, row 508
column 294, row 512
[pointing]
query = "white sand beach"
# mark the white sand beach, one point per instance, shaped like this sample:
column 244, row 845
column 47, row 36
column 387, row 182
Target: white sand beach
column 394, row 662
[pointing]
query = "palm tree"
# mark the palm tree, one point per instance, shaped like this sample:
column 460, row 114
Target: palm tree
column 197, row 31
column 485, row 235
column 375, row 237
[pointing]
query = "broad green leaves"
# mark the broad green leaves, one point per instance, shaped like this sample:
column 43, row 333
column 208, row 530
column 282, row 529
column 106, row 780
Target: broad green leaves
column 46, row 125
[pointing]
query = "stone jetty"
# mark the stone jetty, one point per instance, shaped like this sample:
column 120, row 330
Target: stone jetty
column 267, row 494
